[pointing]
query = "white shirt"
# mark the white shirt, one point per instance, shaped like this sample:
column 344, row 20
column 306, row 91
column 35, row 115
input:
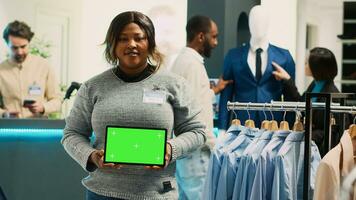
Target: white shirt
column 251, row 57
column 190, row 65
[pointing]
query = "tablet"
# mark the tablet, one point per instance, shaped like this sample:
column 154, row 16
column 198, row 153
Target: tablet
column 135, row 145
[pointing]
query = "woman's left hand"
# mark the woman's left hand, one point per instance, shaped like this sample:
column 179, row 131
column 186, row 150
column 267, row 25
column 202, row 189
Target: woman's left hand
column 167, row 158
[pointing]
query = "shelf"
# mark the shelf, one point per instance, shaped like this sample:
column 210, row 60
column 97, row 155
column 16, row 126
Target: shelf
column 351, row 82
column 349, row 10
column 349, row 61
column 348, row 41
column 348, row 88
column 350, row 21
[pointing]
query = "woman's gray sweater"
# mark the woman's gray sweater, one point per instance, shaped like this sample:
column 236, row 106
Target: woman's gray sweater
column 107, row 100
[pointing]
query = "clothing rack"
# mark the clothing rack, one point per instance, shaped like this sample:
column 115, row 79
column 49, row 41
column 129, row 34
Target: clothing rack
column 288, row 106
column 306, row 107
column 328, row 98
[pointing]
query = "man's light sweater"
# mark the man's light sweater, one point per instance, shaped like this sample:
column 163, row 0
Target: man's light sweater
column 107, row 100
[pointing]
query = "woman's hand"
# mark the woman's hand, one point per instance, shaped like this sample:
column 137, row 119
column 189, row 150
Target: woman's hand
column 167, row 158
column 97, row 158
column 280, row 73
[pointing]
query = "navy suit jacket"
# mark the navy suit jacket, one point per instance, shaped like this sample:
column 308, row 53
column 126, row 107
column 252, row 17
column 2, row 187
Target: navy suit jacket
column 247, row 89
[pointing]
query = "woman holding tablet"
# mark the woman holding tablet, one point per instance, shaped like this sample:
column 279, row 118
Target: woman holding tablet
column 134, row 93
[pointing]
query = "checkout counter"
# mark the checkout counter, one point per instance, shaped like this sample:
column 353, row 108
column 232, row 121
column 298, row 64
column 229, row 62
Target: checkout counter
column 34, row 164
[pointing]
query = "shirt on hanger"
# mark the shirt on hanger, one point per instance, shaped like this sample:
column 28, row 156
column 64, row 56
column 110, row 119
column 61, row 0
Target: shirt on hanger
column 229, row 136
column 261, row 187
column 216, row 160
column 247, row 169
column 289, row 170
column 232, row 155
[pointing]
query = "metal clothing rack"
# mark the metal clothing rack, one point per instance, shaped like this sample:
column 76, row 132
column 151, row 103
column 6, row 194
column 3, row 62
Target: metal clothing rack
column 288, row 106
column 328, row 109
column 306, row 107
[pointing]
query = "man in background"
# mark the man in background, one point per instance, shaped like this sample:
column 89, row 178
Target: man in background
column 28, row 86
column 202, row 33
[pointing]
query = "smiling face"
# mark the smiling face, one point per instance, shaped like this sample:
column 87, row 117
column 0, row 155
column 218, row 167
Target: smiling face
column 132, row 49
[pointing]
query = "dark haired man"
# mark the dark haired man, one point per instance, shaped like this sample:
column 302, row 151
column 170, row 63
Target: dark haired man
column 27, row 83
column 202, row 33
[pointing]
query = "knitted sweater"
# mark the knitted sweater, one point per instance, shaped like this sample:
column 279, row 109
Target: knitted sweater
column 108, row 100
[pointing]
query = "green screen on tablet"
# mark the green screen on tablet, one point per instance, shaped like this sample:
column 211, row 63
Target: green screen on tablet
column 141, row 146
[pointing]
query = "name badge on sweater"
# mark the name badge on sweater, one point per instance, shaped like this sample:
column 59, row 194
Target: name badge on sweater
column 34, row 90
column 154, row 96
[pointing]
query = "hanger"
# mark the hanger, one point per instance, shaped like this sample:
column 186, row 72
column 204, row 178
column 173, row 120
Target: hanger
column 352, row 128
column 273, row 124
column 235, row 121
column 298, row 125
column 284, row 124
column 265, row 122
column 249, row 123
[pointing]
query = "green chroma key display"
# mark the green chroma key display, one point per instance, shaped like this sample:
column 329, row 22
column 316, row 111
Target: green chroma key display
column 141, row 146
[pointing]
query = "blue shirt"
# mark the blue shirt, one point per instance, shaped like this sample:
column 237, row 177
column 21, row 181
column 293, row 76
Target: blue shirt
column 262, row 184
column 216, row 160
column 288, row 175
column 232, row 155
column 230, row 136
column 247, row 169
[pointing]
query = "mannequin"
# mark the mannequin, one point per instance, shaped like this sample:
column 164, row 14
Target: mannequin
column 258, row 23
column 253, row 83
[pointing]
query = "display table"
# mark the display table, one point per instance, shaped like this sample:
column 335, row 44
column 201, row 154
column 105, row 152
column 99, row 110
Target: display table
column 33, row 163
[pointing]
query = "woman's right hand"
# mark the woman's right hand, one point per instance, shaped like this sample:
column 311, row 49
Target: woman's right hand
column 280, row 73
column 97, row 158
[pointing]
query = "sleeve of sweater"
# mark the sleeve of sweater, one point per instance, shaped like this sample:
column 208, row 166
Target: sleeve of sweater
column 78, row 129
column 290, row 91
column 290, row 66
column 189, row 130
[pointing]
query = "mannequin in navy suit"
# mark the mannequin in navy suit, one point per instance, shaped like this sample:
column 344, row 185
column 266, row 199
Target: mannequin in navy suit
column 240, row 66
